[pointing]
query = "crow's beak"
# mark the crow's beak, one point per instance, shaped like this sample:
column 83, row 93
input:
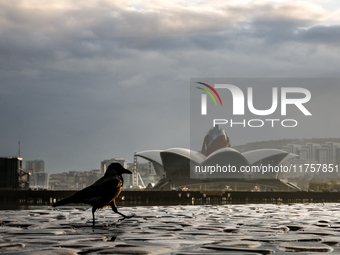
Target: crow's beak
column 125, row 171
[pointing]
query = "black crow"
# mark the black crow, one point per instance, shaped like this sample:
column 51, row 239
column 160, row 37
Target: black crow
column 103, row 192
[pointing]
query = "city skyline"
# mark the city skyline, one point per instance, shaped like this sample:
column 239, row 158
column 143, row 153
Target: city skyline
column 289, row 145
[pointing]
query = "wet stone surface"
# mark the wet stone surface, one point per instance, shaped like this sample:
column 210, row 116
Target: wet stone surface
column 188, row 230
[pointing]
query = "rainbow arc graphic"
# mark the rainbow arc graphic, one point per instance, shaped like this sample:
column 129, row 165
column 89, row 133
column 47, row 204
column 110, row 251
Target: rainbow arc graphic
column 209, row 93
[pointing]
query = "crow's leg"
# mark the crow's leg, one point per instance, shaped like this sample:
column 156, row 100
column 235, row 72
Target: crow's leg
column 114, row 208
column 93, row 210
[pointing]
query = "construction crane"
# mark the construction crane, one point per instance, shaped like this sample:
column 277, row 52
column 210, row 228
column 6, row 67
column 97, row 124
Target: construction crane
column 136, row 176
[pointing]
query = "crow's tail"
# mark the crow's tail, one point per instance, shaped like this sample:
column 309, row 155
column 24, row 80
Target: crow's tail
column 64, row 202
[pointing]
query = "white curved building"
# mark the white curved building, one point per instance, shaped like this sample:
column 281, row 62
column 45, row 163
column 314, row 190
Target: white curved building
column 175, row 162
column 177, row 165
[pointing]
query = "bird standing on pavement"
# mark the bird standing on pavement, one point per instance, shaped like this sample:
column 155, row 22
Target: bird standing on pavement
column 103, row 192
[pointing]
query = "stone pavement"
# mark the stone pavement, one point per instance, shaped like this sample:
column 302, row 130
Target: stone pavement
column 188, row 230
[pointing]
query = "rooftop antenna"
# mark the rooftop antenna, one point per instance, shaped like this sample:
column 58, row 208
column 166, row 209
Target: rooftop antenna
column 19, row 148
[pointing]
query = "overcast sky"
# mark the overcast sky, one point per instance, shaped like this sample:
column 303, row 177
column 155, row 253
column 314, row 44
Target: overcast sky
column 90, row 80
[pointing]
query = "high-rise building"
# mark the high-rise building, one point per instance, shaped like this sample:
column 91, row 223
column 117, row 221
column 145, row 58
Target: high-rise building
column 334, row 152
column 35, row 166
column 292, row 148
column 312, row 153
column 39, row 181
column 313, row 150
column 12, row 174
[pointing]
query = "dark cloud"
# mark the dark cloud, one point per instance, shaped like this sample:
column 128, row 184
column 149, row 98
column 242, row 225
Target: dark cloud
column 326, row 35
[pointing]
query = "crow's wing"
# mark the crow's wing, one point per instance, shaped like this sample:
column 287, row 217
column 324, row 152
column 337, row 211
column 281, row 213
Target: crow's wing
column 102, row 190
